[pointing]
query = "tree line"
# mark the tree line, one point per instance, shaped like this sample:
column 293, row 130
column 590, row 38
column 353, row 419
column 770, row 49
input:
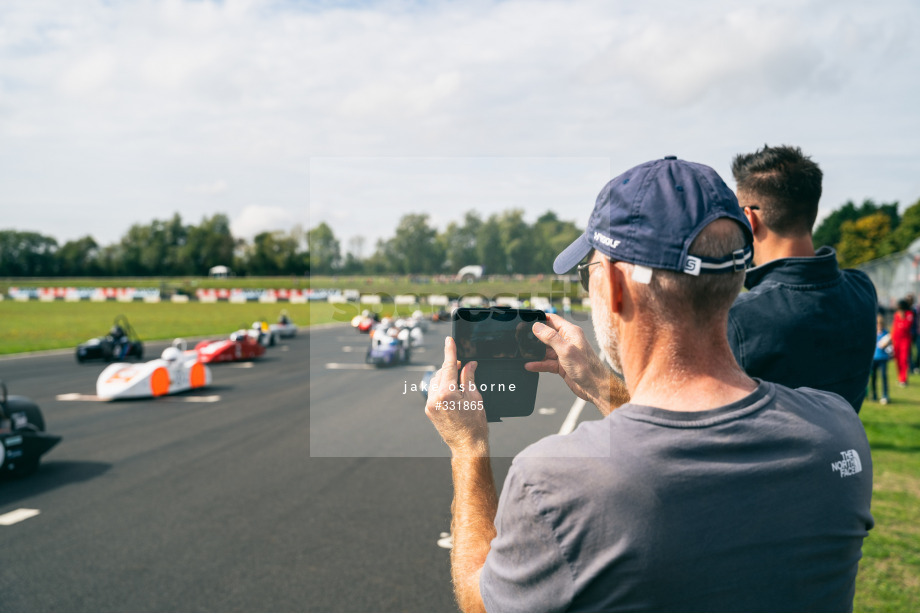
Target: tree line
column 160, row 248
column 869, row 231
column 503, row 243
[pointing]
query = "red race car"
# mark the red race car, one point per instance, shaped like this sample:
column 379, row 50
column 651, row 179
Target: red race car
column 242, row 345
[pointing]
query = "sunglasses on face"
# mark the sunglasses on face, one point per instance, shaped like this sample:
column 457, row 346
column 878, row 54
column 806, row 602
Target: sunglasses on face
column 584, row 274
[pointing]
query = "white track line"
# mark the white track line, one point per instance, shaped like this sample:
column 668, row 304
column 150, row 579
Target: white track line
column 572, row 419
column 11, row 518
column 76, row 396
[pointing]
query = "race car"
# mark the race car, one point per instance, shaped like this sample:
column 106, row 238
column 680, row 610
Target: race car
column 365, row 322
column 23, row 439
column 267, row 336
column 284, row 328
column 387, row 349
column 409, row 332
column 121, row 342
column 241, row 345
column 176, row 370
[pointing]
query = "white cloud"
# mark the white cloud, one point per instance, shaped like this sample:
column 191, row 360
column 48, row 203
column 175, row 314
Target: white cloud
column 118, row 108
column 213, row 188
column 254, row 219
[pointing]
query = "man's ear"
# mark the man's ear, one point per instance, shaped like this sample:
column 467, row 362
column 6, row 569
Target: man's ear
column 616, row 280
column 753, row 220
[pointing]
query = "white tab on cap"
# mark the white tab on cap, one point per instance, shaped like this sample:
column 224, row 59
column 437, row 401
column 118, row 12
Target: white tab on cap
column 693, row 266
column 641, row 274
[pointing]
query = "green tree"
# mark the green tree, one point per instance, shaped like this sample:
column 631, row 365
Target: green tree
column 79, row 258
column 829, row 231
column 551, row 236
column 489, row 247
column 415, row 247
column 517, row 240
column 209, row 244
column 325, row 252
column 459, row 242
column 156, row 248
column 908, row 230
column 27, row 254
column 274, row 253
column 384, row 259
column 861, row 240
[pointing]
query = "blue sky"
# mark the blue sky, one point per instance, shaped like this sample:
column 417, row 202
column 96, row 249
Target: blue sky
column 278, row 114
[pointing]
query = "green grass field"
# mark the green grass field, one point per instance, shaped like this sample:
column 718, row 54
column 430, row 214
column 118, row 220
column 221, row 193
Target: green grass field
column 889, row 575
column 36, row 326
column 889, row 579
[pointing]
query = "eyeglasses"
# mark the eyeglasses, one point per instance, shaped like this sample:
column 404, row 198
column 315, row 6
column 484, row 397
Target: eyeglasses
column 584, row 274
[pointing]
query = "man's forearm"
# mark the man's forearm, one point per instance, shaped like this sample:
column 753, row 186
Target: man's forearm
column 473, row 526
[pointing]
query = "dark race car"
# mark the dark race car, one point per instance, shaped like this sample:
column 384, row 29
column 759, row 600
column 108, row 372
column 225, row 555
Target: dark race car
column 121, row 343
column 23, row 439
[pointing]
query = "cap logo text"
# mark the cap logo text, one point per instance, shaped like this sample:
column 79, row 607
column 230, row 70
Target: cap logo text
column 605, row 240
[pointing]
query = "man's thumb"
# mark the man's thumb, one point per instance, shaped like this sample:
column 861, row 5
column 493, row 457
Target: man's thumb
column 543, row 332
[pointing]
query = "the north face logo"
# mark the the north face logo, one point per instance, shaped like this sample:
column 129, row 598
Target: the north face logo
column 849, row 465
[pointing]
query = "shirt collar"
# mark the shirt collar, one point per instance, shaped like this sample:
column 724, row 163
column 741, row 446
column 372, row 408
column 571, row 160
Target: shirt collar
column 819, row 268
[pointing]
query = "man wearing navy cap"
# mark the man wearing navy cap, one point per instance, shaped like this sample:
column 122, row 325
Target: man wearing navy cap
column 708, row 490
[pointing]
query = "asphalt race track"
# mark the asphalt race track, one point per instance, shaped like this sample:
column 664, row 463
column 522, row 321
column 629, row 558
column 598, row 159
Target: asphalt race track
column 212, row 501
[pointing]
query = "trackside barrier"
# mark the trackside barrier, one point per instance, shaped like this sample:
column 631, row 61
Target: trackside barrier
column 249, row 295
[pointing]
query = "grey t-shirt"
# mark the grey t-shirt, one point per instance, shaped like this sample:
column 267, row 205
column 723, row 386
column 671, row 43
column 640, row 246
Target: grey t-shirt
column 761, row 505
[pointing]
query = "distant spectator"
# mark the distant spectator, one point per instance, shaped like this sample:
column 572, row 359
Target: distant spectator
column 804, row 322
column 914, row 366
column 883, row 352
column 901, row 339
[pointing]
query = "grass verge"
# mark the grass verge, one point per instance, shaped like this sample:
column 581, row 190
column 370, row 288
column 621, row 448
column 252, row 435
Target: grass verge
column 33, row 326
column 889, row 574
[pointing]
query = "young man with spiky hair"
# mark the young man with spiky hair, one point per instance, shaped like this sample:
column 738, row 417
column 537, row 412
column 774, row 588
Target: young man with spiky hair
column 804, row 321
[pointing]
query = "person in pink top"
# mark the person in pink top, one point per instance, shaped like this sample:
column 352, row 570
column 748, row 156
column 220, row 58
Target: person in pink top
column 901, row 339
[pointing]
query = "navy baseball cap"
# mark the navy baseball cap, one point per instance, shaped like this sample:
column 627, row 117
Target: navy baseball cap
column 651, row 214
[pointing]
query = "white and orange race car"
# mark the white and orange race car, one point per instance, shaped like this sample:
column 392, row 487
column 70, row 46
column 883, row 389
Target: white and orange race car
column 177, row 370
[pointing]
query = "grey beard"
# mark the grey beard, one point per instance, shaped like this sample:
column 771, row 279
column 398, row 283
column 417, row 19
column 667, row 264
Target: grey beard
column 607, row 338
